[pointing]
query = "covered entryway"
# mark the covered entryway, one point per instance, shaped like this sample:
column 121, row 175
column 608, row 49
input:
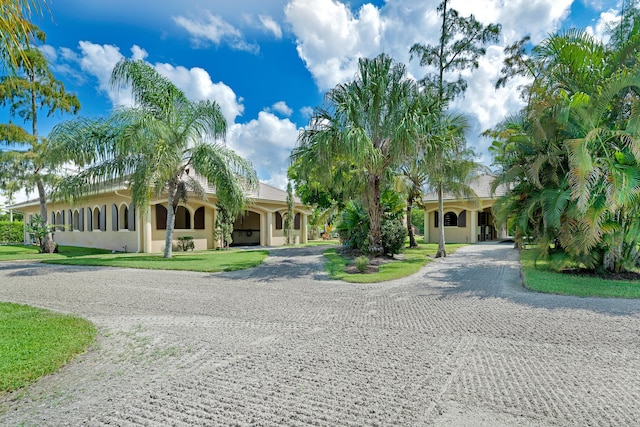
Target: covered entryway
column 246, row 229
column 486, row 229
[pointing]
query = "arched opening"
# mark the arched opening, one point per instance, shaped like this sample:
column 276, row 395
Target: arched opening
column 161, row 217
column 183, row 219
column 198, row 218
column 278, row 221
column 96, row 219
column 296, row 222
column 59, row 222
column 76, row 220
column 114, row 217
column 450, row 219
column 246, row 229
column 123, row 218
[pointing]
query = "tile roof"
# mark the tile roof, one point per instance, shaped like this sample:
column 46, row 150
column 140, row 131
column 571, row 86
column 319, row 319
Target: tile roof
column 481, row 185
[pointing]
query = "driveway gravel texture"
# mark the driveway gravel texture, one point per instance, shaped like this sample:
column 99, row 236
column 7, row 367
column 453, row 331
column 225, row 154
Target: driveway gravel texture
column 461, row 343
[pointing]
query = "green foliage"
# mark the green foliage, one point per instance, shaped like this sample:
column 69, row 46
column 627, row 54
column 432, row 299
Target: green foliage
column 412, row 262
column 362, row 262
column 37, row 342
column 289, row 217
column 417, row 220
column 11, row 232
column 571, row 158
column 185, row 243
column 394, row 234
column 224, row 226
column 367, row 127
column 39, row 231
column 353, row 227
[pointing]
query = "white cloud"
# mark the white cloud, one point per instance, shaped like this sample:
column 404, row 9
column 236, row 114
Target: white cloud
column 269, row 24
column 266, row 141
column 330, row 38
column 606, row 20
column 214, row 29
column 282, row 108
column 306, row 112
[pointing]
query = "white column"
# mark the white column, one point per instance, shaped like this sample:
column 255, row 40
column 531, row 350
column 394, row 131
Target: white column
column 474, row 226
column 147, row 232
column 269, row 230
column 303, row 228
column 426, row 226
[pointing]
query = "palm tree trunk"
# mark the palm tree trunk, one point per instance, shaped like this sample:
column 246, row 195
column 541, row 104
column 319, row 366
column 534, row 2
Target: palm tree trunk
column 171, row 219
column 412, row 238
column 375, row 216
column 441, row 251
column 47, row 245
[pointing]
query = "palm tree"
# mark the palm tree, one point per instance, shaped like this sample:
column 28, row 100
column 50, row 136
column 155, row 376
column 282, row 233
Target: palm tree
column 368, row 126
column 451, row 167
column 154, row 145
column 32, row 164
column 17, row 32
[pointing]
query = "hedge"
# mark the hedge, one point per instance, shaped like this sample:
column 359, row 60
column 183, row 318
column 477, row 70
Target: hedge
column 11, row 232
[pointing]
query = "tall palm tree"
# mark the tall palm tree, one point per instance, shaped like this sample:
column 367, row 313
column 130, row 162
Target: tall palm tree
column 154, row 145
column 368, row 125
column 31, row 163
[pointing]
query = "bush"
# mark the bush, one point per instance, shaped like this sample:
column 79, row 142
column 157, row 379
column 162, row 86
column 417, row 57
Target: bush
column 362, row 262
column 394, row 234
column 11, row 232
column 185, row 243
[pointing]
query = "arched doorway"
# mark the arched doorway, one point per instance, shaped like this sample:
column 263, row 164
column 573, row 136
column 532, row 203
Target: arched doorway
column 246, row 229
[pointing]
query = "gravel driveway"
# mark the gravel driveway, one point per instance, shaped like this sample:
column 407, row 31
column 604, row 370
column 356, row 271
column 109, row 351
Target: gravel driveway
column 461, row 343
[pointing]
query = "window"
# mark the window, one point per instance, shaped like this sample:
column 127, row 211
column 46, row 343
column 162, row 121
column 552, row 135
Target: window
column 76, row 220
column 59, row 221
column 114, row 217
column 278, row 221
column 435, row 220
column 70, row 220
column 296, row 222
column 198, row 218
column 89, row 219
column 183, row 219
column 450, row 219
column 161, row 217
column 123, row 218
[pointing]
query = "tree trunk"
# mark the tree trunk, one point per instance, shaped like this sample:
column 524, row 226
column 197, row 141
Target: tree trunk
column 441, row 250
column 375, row 217
column 47, row 245
column 171, row 219
column 412, row 238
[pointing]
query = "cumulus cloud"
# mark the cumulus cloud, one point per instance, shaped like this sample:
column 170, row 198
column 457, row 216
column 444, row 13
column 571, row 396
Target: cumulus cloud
column 306, row 112
column 330, row 37
column 606, row 20
column 269, row 24
column 282, row 108
column 266, row 141
column 214, row 29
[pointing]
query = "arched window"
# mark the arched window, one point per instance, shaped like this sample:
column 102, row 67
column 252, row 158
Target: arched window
column 96, row 219
column 123, row 218
column 183, row 218
column 76, row 220
column 89, row 219
column 70, row 220
column 296, row 222
column 59, row 221
column 278, row 221
column 198, row 218
column 450, row 219
column 114, row 217
column 161, row 217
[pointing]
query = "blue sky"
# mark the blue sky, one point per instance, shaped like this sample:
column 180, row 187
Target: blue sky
column 269, row 62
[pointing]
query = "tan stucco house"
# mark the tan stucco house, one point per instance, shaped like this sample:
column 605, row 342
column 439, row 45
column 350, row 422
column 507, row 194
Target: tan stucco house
column 110, row 221
column 465, row 220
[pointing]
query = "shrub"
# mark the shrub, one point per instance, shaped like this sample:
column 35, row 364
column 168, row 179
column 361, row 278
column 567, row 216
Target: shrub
column 362, row 262
column 11, row 232
column 185, row 243
column 394, row 234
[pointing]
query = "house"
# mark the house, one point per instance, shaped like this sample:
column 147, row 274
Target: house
column 109, row 220
column 465, row 220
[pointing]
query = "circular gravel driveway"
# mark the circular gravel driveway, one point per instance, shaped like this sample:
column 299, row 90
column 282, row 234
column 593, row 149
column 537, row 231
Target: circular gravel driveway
column 461, row 343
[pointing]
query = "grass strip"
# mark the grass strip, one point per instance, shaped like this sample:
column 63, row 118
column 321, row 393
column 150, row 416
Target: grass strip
column 539, row 277
column 35, row 342
column 412, row 261
column 204, row 261
column 22, row 252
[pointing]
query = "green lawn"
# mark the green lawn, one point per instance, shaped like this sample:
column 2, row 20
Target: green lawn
column 35, row 342
column 413, row 260
column 205, row 261
column 542, row 279
column 21, row 252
